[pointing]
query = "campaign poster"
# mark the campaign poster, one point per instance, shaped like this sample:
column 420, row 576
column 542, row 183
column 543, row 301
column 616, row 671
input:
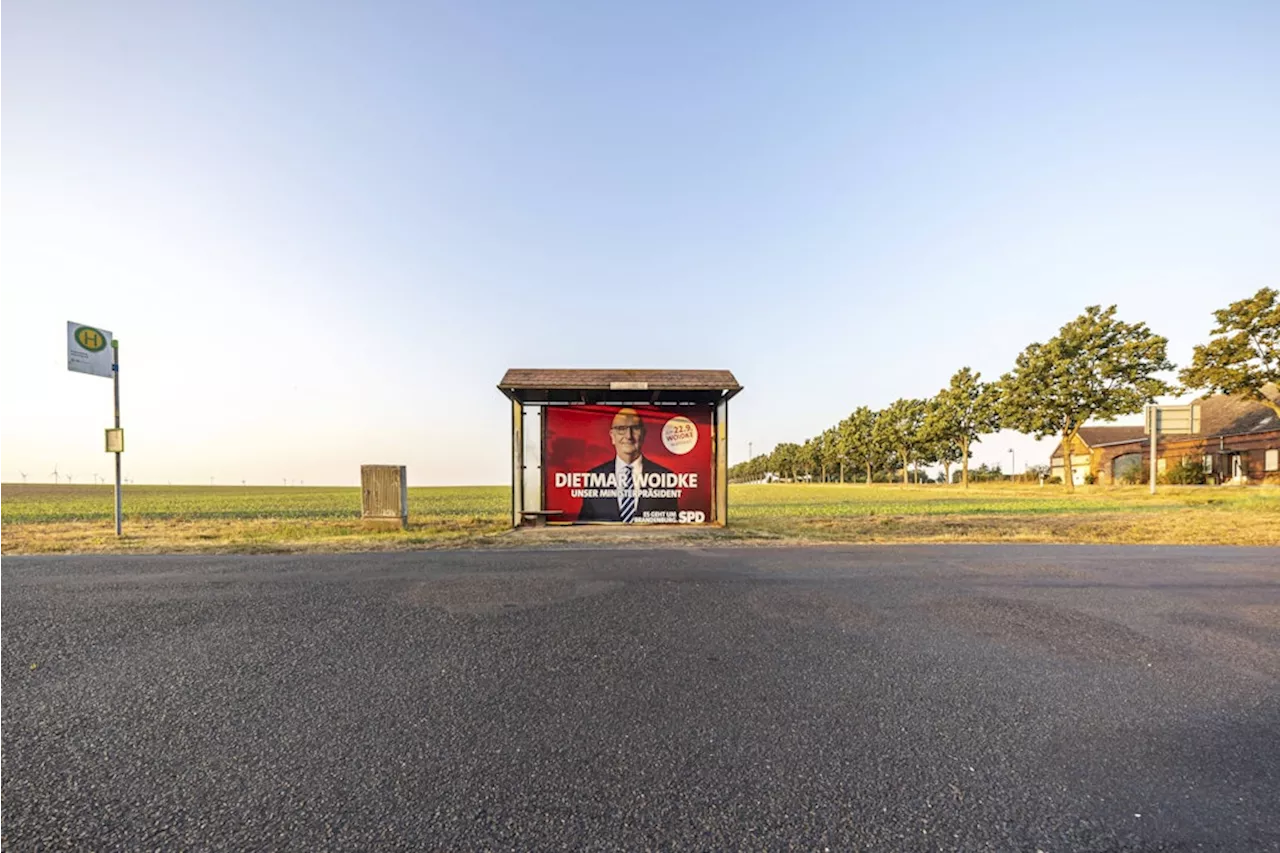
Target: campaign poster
column 628, row 464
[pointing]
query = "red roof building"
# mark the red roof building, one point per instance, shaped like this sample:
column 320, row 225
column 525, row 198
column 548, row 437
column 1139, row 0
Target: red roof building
column 1238, row 442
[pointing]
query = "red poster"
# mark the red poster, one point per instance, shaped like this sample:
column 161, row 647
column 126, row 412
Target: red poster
column 641, row 464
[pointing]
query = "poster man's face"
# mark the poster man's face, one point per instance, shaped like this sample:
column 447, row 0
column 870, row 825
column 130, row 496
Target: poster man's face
column 627, row 434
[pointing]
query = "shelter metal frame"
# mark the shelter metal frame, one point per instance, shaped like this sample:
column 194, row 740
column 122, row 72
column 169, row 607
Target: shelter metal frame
column 531, row 392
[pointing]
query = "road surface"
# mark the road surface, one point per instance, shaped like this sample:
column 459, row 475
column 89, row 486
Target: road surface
column 870, row 698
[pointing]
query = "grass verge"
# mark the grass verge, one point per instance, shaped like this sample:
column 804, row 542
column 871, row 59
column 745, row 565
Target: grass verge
column 46, row 519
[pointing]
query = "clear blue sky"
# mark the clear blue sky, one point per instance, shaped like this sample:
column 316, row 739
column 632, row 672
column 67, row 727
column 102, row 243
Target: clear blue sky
column 322, row 231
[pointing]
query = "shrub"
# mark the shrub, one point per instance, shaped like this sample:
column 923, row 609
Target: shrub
column 985, row 473
column 1187, row 472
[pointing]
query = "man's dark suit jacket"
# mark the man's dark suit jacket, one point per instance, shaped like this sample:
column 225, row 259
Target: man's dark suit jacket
column 606, row 509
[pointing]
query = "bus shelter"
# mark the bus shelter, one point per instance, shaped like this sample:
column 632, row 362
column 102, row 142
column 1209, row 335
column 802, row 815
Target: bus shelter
column 619, row 446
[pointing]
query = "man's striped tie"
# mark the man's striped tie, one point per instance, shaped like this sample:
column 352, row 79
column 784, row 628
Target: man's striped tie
column 628, row 502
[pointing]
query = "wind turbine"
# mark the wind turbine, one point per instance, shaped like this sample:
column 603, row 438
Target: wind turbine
column 55, row 473
column 24, row 477
column 69, row 478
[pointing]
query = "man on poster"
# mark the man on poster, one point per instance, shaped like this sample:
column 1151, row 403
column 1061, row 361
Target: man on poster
column 628, row 503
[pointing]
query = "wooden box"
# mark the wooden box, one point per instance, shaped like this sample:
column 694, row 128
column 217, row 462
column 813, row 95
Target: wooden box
column 384, row 495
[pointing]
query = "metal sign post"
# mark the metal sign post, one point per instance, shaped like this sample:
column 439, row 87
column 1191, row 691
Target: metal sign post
column 1153, row 427
column 115, row 380
column 96, row 352
column 1174, row 420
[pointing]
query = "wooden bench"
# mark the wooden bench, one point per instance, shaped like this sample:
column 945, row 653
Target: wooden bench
column 538, row 517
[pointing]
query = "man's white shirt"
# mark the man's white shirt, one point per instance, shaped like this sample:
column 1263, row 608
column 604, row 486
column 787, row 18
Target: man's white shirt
column 636, row 471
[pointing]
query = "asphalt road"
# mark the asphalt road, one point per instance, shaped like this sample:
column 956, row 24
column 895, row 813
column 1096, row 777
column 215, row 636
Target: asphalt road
column 896, row 698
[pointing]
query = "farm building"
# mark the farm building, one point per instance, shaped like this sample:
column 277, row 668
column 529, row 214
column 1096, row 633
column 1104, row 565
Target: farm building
column 1090, row 448
column 1238, row 442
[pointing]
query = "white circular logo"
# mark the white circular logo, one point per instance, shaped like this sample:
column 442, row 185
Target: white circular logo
column 679, row 435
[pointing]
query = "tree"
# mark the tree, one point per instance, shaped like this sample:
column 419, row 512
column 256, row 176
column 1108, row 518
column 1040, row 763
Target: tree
column 986, row 474
column 898, row 427
column 963, row 411
column 939, row 437
column 1095, row 367
column 831, row 451
column 933, row 448
column 750, row 470
column 785, row 458
column 1244, row 357
column 858, row 439
column 810, row 458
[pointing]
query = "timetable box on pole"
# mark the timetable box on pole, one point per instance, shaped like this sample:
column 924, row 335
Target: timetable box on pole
column 115, row 440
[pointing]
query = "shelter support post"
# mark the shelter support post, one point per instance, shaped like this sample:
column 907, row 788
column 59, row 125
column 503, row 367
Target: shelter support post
column 722, row 463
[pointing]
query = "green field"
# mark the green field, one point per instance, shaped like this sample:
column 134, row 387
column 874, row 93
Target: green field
column 1007, row 512
column 45, row 518
column 829, row 500
column 45, row 503
column 51, row 519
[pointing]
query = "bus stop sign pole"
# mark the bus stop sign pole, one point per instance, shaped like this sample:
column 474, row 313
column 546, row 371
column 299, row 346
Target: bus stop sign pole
column 96, row 352
column 115, row 379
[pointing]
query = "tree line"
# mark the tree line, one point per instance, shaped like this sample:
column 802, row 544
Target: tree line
column 1096, row 367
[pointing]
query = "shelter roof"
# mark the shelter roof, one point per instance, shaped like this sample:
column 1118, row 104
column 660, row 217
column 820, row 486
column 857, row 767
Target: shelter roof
column 628, row 386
